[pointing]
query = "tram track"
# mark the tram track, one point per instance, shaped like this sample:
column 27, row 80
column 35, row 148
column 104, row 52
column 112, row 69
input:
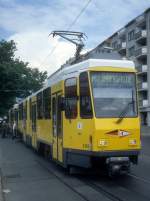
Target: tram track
column 103, row 188
column 76, row 189
column 98, row 191
column 115, row 189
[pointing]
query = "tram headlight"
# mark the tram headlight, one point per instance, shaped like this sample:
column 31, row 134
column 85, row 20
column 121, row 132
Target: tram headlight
column 132, row 141
column 103, row 142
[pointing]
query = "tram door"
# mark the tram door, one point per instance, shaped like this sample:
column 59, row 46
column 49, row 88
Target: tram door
column 57, row 127
column 34, row 125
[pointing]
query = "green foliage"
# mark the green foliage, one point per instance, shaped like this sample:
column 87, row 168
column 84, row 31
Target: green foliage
column 17, row 79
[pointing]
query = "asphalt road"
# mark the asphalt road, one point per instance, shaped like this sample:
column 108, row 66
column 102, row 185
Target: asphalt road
column 28, row 177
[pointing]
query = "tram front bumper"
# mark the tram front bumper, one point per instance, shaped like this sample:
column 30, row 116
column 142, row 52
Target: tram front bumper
column 86, row 158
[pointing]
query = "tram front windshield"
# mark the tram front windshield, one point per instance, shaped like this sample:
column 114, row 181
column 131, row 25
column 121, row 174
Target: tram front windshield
column 114, row 93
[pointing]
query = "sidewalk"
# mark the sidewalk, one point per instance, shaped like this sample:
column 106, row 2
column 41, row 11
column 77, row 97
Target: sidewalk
column 24, row 179
column 28, row 177
column 1, row 193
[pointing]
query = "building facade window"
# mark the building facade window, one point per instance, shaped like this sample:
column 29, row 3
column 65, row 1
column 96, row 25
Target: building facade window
column 114, row 45
column 131, row 51
column 85, row 98
column 131, row 35
column 71, row 98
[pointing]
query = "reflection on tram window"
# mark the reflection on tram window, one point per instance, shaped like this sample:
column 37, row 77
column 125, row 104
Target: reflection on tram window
column 85, row 99
column 40, row 105
column 71, row 98
column 114, row 92
column 47, row 103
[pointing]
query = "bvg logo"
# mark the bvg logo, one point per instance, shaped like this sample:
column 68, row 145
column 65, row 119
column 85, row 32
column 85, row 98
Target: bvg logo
column 119, row 133
column 123, row 133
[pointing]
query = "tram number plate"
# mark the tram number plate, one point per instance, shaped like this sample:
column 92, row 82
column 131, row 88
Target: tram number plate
column 123, row 133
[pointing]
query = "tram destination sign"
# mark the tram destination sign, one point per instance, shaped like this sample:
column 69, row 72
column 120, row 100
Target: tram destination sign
column 113, row 79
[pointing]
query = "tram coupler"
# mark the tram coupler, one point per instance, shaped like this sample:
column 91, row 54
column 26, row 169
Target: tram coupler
column 118, row 165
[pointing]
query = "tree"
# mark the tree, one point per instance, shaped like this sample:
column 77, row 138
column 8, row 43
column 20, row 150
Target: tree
column 17, row 79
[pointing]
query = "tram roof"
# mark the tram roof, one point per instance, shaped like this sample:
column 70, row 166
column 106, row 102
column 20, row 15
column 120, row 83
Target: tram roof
column 74, row 70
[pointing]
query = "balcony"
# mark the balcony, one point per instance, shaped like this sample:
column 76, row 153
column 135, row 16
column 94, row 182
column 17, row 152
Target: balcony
column 142, row 69
column 140, row 21
column 122, row 32
column 143, row 103
column 140, row 36
column 141, row 53
column 142, row 86
column 122, row 47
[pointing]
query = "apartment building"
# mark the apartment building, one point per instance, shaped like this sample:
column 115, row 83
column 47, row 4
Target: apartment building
column 133, row 42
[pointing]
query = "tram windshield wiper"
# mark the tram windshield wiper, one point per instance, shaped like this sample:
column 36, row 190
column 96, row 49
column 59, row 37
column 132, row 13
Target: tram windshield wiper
column 125, row 110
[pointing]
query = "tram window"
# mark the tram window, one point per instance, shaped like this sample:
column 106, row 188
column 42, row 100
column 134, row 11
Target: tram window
column 34, row 117
column 40, row 105
column 85, row 99
column 30, row 105
column 54, row 116
column 47, row 103
column 25, row 111
column 59, row 123
column 21, row 111
column 71, row 98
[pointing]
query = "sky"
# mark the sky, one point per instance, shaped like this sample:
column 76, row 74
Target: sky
column 29, row 23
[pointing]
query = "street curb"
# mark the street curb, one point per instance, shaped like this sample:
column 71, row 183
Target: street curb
column 1, row 191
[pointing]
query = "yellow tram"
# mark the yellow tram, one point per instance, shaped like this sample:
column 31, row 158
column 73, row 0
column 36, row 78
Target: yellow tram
column 86, row 116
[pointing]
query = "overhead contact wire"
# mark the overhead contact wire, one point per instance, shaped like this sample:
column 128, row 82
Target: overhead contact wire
column 69, row 27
